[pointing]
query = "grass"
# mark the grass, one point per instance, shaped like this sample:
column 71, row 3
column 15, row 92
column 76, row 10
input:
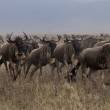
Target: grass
column 45, row 94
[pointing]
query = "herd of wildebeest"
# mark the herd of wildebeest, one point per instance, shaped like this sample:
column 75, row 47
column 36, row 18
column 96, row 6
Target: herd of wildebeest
column 83, row 51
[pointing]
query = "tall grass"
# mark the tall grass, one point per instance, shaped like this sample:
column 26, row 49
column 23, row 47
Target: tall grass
column 46, row 94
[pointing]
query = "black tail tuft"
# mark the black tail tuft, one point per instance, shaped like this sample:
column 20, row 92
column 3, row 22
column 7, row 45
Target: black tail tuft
column 73, row 71
column 1, row 61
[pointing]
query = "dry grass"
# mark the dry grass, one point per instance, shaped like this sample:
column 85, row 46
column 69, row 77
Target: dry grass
column 45, row 94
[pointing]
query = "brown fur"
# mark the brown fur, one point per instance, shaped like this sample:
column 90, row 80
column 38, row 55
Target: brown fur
column 101, row 43
column 96, row 58
column 39, row 57
column 67, row 54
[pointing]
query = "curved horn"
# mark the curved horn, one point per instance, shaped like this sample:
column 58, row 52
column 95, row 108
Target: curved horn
column 40, row 38
column 26, row 37
column 30, row 37
column 41, row 41
column 81, row 37
column 9, row 39
column 35, row 37
column 11, row 34
column 58, row 38
column 1, row 40
column 44, row 38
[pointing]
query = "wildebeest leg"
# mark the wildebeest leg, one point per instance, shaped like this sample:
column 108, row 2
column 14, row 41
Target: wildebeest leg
column 57, row 64
column 12, row 68
column 102, row 74
column 83, row 68
column 61, row 67
column 53, row 65
column 67, row 69
column 74, row 72
column 103, row 71
column 40, row 66
column 89, row 76
column 24, row 67
column 66, row 64
column 5, row 63
column 18, row 69
column 34, row 70
column 27, row 68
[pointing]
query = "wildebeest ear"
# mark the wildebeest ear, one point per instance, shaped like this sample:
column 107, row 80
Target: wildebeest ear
column 105, row 48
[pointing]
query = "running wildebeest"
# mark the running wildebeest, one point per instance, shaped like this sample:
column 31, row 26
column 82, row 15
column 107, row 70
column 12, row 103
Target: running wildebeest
column 100, row 43
column 90, row 42
column 1, row 42
column 41, row 56
column 67, row 54
column 97, row 58
column 32, row 43
column 14, row 51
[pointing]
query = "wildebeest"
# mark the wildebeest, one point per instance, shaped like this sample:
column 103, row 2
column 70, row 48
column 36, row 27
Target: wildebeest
column 41, row 56
column 7, row 36
column 97, row 58
column 1, row 42
column 1, row 39
column 101, row 43
column 90, row 42
column 14, row 51
column 67, row 36
column 67, row 53
column 32, row 43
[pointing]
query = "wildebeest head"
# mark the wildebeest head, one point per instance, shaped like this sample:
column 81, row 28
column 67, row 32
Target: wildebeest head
column 77, row 44
column 19, row 44
column 35, row 44
column 25, row 53
column 52, row 43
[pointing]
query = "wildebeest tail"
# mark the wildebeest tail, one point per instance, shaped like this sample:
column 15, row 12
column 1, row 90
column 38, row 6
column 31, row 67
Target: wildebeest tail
column 73, row 71
column 1, row 61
